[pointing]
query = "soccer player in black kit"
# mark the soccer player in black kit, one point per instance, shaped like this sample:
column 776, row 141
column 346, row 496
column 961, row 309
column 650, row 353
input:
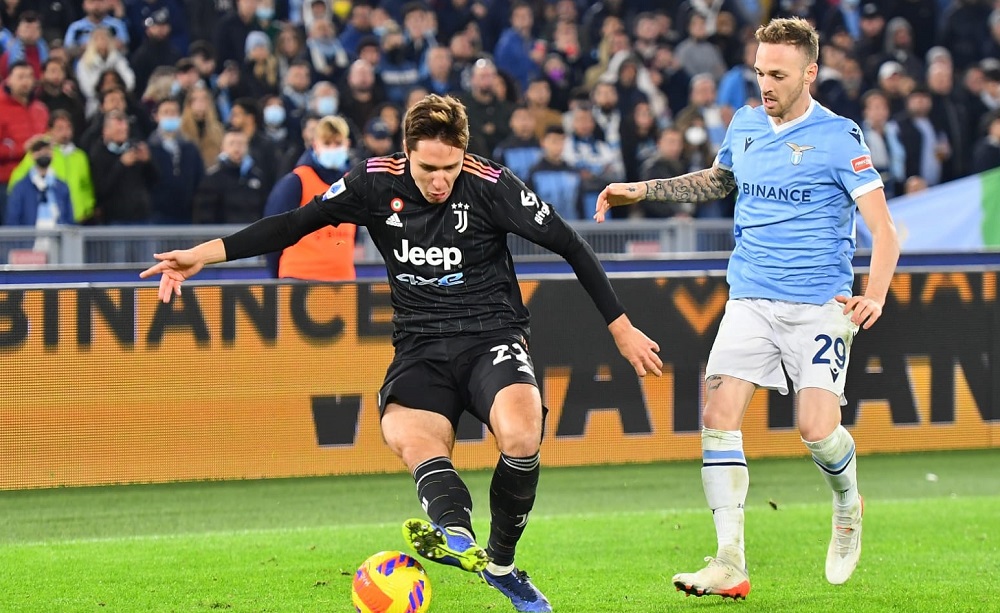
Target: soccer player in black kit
column 440, row 218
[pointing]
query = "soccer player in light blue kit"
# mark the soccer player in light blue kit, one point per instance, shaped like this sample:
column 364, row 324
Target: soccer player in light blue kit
column 799, row 172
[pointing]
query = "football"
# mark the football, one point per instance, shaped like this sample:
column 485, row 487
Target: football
column 391, row 582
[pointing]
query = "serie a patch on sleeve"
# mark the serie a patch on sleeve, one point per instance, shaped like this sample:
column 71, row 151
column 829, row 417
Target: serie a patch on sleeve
column 335, row 189
column 862, row 162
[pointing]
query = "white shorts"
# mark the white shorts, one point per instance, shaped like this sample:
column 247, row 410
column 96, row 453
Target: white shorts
column 757, row 336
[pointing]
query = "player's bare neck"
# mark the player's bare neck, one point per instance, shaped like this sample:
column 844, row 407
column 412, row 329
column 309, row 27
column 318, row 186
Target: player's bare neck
column 800, row 108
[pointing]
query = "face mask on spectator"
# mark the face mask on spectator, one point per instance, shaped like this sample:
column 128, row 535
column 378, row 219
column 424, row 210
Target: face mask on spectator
column 326, row 105
column 43, row 161
column 265, row 13
column 696, row 135
column 169, row 124
column 274, row 116
column 175, row 89
column 117, row 148
column 334, row 158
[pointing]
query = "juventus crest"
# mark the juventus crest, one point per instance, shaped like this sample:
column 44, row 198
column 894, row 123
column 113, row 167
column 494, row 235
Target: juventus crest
column 461, row 211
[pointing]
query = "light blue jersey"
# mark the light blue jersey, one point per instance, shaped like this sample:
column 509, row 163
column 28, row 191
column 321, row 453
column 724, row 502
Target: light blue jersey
column 796, row 184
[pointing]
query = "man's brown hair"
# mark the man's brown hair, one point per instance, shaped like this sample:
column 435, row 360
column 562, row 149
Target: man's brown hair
column 436, row 117
column 791, row 31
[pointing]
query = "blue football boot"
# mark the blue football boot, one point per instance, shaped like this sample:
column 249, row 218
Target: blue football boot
column 517, row 586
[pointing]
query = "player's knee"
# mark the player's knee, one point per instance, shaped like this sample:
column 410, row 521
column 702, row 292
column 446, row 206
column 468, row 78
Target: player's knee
column 520, row 443
column 719, row 417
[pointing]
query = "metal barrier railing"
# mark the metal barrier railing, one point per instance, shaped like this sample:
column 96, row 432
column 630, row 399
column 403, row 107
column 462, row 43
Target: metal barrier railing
column 102, row 245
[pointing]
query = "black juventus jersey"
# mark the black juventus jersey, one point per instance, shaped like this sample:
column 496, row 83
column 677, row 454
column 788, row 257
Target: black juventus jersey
column 448, row 264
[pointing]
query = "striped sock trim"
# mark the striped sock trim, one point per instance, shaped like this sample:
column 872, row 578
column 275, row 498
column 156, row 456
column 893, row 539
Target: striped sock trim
column 838, row 467
column 525, row 465
column 730, row 457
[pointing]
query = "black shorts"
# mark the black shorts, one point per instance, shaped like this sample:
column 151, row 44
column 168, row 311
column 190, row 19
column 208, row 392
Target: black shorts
column 450, row 375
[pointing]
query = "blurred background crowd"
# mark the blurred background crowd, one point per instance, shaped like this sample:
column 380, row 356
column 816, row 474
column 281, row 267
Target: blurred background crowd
column 190, row 111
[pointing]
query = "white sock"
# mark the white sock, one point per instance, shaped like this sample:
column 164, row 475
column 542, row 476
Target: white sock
column 726, row 480
column 835, row 458
column 497, row 571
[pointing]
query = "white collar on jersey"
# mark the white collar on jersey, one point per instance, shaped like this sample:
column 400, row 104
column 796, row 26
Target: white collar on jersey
column 781, row 127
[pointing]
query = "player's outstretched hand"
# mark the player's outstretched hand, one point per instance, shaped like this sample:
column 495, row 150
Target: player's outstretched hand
column 174, row 267
column 636, row 347
column 618, row 194
column 866, row 311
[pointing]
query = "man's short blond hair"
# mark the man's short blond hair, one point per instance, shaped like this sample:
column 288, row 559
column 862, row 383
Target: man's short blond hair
column 330, row 127
column 436, row 117
column 791, row 31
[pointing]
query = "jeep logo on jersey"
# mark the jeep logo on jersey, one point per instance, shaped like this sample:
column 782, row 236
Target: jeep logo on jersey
column 449, row 257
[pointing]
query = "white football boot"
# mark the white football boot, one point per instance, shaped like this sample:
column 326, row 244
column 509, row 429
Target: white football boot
column 845, row 544
column 719, row 578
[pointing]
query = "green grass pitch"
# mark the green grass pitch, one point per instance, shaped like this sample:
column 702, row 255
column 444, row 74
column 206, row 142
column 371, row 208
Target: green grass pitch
column 601, row 539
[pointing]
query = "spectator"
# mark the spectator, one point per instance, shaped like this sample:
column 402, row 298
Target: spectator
column 56, row 16
column 265, row 14
column 101, row 56
column 893, row 80
column 964, row 30
column 986, row 154
column 245, row 117
column 553, row 180
column 440, row 78
column 702, row 102
column 162, row 85
column 157, row 48
column 324, row 99
column 390, row 114
column 290, row 157
column 537, row 99
column 289, row 48
column 260, row 67
column 377, row 139
column 926, row 148
column 668, row 162
column 639, row 137
column 517, row 50
column 398, row 72
column 671, row 79
column 202, row 55
column 359, row 26
column 57, row 93
column 139, row 12
column 179, row 165
column 97, row 16
column 419, row 30
column 695, row 54
column 519, row 151
column 275, row 122
column 739, row 85
column 21, row 117
column 359, row 102
column 607, row 112
column 326, row 254
column 42, row 200
column 200, row 125
column 204, row 17
column 234, row 189
column 113, row 99
column 27, row 45
column 950, row 117
column 699, row 155
column 598, row 162
column 882, row 137
column 899, row 47
column 566, row 42
column 69, row 164
column 489, row 116
column 868, row 48
column 327, row 55
column 231, row 32
column 124, row 176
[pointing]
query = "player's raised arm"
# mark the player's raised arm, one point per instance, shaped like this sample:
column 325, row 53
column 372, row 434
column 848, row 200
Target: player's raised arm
column 701, row 186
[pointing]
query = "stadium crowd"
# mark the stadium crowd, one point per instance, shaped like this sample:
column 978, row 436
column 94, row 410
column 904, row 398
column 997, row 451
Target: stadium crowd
column 190, row 111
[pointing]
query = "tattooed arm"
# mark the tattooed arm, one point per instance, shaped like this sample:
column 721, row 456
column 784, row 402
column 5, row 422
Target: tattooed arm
column 702, row 186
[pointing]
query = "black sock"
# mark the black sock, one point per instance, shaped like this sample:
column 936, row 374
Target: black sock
column 512, row 495
column 443, row 494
